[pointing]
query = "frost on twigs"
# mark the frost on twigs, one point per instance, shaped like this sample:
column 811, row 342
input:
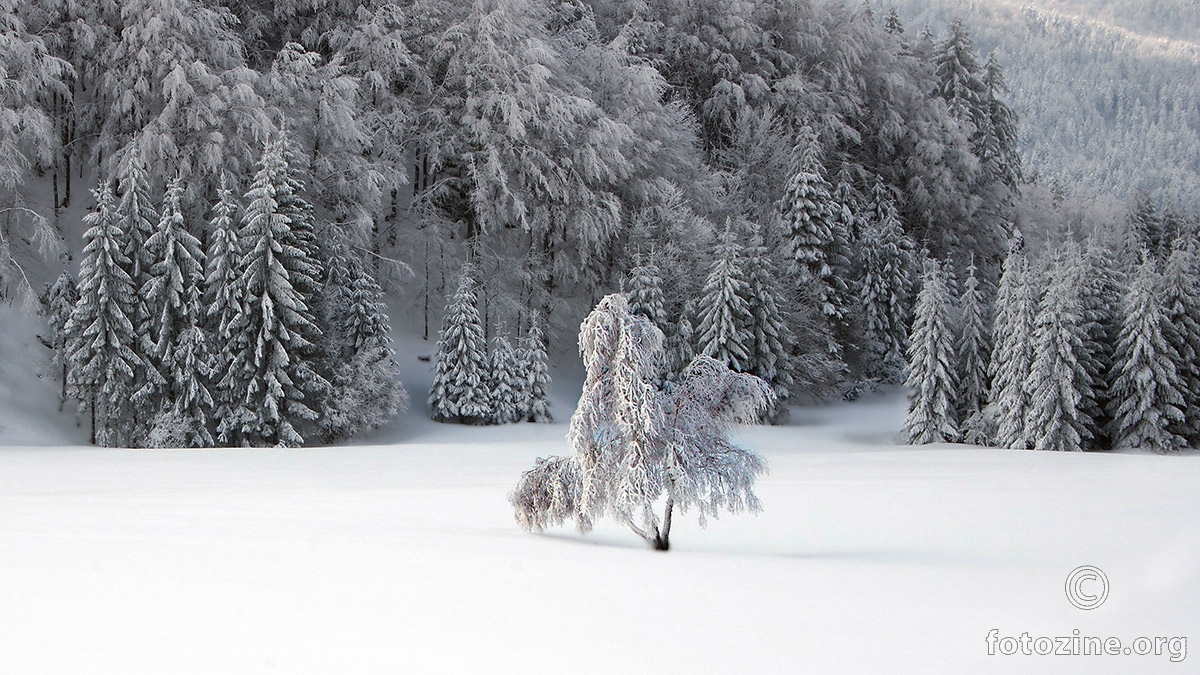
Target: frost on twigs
column 636, row 446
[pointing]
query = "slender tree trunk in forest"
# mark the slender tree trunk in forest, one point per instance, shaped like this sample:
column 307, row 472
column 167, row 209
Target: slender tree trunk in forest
column 426, row 289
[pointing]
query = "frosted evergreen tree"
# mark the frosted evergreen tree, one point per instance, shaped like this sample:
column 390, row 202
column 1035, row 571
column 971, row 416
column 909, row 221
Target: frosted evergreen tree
column 635, row 446
column 533, row 364
column 646, row 294
column 138, row 221
column 973, row 346
column 886, row 255
column 366, row 390
column 506, row 390
column 892, row 22
column 1059, row 383
column 1147, row 398
column 1012, row 351
column 221, row 265
column 273, row 366
column 680, row 342
column 724, row 313
column 1181, row 308
column 808, row 219
column 102, row 357
column 1102, row 299
column 771, row 339
column 932, row 385
column 459, row 389
column 58, row 303
column 223, row 300
column 176, row 270
column 996, row 144
column 959, row 76
column 189, row 371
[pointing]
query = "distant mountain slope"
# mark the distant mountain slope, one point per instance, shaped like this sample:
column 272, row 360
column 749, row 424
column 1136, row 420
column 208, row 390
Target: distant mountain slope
column 1108, row 90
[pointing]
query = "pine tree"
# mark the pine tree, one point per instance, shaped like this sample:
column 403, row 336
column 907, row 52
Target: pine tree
column 887, row 260
column 366, row 390
column 178, row 262
column 189, row 369
column 138, row 220
column 959, row 76
column 533, row 364
column 892, row 23
column 724, row 313
column 273, row 366
column 1012, row 351
column 931, row 383
column 646, row 294
column 1148, row 405
column 221, row 273
column 1059, row 383
column 996, row 144
column 1181, row 309
column 223, row 299
column 1101, row 298
column 771, row 339
column 973, row 347
column 680, row 342
column 58, row 303
column 505, row 389
column 458, row 393
column 808, row 219
column 102, row 359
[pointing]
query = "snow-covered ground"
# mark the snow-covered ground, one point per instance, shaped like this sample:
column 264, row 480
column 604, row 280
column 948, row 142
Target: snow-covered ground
column 403, row 557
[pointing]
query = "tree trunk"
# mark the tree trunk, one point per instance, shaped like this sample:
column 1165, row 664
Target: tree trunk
column 662, row 539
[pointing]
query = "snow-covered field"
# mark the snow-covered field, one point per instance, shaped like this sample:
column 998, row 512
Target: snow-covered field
column 403, row 557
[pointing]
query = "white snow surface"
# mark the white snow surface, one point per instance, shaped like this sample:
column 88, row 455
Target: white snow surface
column 403, row 556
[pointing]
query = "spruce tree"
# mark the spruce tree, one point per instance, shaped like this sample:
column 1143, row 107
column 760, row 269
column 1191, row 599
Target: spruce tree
column 959, row 76
column 273, row 366
column 724, row 313
column 646, row 294
column 886, row 253
column 221, row 266
column 506, row 390
column 771, row 339
column 680, row 346
column 138, row 220
column 1181, row 308
column 178, row 263
column 1147, row 399
column 973, row 347
column 223, row 300
column 808, row 220
column 102, row 357
column 1060, row 385
column 534, row 367
column 58, row 303
column 1012, row 351
column 458, row 392
column 189, row 369
column 931, row 382
column 1101, row 297
column 366, row 390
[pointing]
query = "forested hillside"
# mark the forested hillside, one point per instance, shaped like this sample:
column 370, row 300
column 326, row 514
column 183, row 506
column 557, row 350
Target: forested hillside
column 1108, row 91
column 231, row 189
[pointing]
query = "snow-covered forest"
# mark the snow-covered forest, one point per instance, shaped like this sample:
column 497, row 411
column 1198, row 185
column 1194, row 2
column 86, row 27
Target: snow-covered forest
column 232, row 191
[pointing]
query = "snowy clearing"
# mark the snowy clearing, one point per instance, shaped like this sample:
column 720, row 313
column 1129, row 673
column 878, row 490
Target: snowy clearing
column 868, row 558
